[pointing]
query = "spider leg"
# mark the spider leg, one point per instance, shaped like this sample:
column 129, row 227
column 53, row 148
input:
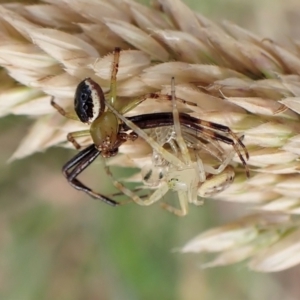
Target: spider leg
column 222, row 166
column 155, row 196
column 198, row 201
column 78, row 157
column 135, row 102
column 71, row 137
column 183, row 201
column 217, row 127
column 79, row 163
column 208, row 144
column 193, row 122
column 200, row 166
column 216, row 183
column 177, row 127
column 113, row 80
column 173, row 147
column 195, row 144
column 75, row 162
column 64, row 113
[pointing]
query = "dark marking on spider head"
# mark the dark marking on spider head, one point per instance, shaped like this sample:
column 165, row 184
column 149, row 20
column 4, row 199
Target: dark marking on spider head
column 148, row 175
column 161, row 175
column 89, row 101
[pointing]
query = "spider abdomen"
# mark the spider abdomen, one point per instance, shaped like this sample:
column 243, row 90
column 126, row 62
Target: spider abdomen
column 89, row 101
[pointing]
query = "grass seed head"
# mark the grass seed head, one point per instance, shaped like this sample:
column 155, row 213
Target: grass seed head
column 236, row 78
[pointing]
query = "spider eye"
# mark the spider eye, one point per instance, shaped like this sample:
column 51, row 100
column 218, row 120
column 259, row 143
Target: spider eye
column 89, row 101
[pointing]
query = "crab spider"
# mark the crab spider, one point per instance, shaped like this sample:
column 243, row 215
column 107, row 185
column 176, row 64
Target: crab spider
column 176, row 171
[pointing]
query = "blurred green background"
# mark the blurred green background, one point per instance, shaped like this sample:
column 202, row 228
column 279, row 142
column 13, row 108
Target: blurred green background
column 57, row 243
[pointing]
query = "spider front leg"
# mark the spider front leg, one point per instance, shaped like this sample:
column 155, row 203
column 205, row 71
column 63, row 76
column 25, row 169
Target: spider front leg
column 79, row 163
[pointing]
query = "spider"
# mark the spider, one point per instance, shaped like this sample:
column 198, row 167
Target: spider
column 109, row 133
column 177, row 171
